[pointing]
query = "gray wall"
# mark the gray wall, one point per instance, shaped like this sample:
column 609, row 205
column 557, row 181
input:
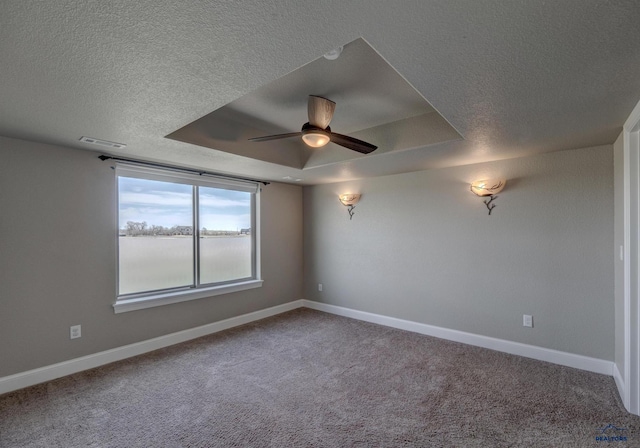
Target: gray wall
column 618, row 219
column 57, row 260
column 422, row 247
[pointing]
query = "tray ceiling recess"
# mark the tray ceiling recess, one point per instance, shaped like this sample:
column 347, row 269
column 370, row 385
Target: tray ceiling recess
column 374, row 103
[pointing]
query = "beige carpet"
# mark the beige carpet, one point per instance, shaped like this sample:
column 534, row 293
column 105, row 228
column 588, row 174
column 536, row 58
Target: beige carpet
column 310, row 379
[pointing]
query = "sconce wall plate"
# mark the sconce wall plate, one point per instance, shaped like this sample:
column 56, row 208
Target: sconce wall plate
column 349, row 200
column 488, row 187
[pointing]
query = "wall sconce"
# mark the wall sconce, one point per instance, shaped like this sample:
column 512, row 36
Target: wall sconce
column 349, row 200
column 489, row 187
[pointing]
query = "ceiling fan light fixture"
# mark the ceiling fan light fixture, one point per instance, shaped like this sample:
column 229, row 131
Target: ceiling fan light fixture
column 315, row 137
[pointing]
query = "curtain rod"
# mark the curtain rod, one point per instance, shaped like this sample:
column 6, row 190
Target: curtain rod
column 104, row 157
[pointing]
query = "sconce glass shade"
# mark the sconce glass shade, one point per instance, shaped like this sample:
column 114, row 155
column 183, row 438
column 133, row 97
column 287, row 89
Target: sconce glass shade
column 315, row 138
column 488, row 187
column 349, row 199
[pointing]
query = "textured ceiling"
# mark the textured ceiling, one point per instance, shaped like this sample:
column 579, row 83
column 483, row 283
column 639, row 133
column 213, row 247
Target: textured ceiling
column 374, row 104
column 512, row 78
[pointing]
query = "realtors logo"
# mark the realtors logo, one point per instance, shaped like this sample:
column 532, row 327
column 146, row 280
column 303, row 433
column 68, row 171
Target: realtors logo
column 611, row 433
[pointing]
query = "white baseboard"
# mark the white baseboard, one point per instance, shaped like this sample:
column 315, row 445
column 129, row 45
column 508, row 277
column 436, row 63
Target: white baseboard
column 48, row 373
column 501, row 345
column 617, row 376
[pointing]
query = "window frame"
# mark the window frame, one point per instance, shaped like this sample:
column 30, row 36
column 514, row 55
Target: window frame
column 159, row 297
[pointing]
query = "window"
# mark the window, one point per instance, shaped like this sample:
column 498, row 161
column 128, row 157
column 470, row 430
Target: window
column 183, row 237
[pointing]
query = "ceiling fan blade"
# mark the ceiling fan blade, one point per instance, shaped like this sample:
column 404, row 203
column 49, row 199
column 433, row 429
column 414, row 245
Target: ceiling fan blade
column 320, row 111
column 266, row 138
column 352, row 143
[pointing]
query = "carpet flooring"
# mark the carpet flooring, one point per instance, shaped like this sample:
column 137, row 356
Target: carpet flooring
column 311, row 379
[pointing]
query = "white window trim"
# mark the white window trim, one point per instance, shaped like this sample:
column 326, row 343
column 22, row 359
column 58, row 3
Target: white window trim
column 139, row 303
column 122, row 305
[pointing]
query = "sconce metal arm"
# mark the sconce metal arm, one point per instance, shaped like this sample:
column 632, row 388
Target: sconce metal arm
column 489, row 204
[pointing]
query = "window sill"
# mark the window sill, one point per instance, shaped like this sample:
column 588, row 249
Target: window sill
column 139, row 303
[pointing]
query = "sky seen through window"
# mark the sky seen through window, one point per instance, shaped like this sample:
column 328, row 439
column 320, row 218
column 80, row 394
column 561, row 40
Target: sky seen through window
column 169, row 204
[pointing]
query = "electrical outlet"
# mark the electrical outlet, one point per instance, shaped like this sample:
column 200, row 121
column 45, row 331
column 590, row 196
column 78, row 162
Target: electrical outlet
column 320, row 287
column 527, row 321
column 75, row 331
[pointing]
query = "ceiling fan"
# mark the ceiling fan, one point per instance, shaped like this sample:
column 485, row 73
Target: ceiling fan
column 317, row 133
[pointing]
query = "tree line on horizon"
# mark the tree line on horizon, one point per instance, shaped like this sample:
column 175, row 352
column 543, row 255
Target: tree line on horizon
column 134, row 228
